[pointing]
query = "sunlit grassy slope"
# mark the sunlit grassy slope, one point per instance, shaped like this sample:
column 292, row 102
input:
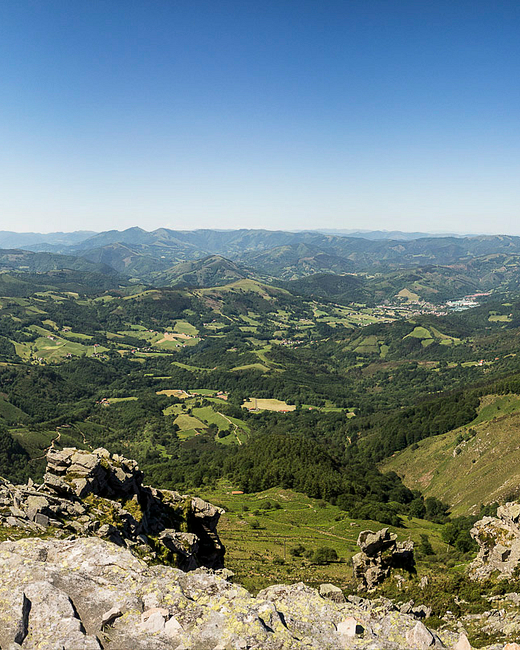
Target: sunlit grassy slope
column 478, row 463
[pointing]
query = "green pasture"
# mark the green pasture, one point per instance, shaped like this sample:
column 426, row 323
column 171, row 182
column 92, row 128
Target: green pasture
column 260, row 529
column 183, row 327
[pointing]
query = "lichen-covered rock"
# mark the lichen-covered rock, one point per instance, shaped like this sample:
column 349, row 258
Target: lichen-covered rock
column 88, row 594
column 332, row 593
column 94, row 493
column 380, row 553
column 499, row 543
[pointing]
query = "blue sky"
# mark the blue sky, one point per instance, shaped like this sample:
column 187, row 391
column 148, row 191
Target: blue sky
column 279, row 114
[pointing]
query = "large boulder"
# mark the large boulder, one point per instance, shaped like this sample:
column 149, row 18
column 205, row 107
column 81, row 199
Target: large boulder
column 499, row 543
column 380, row 553
column 95, row 472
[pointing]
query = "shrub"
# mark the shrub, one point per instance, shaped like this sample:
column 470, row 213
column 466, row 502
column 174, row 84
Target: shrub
column 297, row 551
column 324, row 555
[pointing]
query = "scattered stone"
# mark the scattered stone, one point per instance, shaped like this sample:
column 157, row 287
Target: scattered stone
column 350, row 627
column 154, row 623
column 331, row 592
column 463, row 643
column 173, row 628
column 109, row 617
column 41, row 520
column 152, row 611
column 420, row 636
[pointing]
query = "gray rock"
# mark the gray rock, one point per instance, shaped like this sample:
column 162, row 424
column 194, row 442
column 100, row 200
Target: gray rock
column 420, row 637
column 173, row 628
column 78, row 588
column 350, row 627
column 14, row 620
column 41, row 520
column 462, row 643
column 154, row 623
column 109, row 617
column 35, row 505
column 380, row 553
column 373, row 543
column 53, row 620
column 332, row 593
column 85, row 492
column 499, row 543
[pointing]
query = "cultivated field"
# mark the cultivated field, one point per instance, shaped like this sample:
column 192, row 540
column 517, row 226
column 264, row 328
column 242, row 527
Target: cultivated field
column 259, row 404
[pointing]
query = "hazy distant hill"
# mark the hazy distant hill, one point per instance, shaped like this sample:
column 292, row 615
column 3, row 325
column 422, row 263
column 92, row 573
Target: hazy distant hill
column 297, row 260
column 387, row 234
column 468, row 263
column 211, row 271
column 10, row 239
column 20, row 260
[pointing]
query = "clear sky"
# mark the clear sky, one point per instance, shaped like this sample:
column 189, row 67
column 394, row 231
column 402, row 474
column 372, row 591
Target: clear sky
column 280, row 114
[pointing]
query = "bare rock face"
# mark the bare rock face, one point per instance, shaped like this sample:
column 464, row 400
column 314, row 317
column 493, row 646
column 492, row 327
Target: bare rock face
column 89, row 594
column 94, row 493
column 499, row 541
column 94, row 473
column 380, row 553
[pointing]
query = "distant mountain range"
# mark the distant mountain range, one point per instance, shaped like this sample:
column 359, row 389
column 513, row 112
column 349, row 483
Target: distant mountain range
column 10, row 239
column 430, row 267
column 389, row 234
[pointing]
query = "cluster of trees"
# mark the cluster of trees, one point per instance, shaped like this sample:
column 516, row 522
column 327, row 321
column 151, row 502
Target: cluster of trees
column 408, row 426
column 14, row 460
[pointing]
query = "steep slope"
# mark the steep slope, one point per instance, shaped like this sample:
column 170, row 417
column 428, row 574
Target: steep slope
column 475, row 464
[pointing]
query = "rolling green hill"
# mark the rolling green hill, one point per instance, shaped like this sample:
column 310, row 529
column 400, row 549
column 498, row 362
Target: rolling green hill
column 343, row 289
column 211, row 271
column 297, row 260
column 20, row 260
column 127, row 260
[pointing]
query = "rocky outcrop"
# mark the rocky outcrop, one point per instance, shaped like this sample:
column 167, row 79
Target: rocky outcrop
column 499, row 543
column 380, row 553
column 94, row 493
column 89, row 594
